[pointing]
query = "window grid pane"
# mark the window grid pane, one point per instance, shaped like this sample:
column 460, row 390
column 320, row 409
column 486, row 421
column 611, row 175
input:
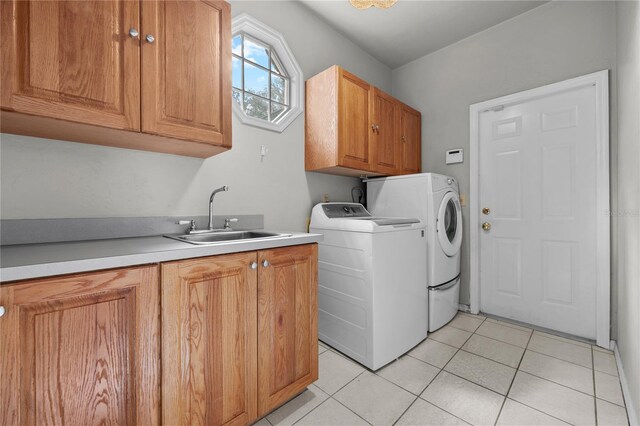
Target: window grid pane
column 253, row 104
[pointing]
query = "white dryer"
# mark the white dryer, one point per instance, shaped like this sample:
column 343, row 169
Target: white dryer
column 372, row 302
column 435, row 200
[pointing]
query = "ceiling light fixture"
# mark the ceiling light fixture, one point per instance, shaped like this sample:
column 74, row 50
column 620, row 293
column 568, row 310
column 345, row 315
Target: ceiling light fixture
column 366, row 4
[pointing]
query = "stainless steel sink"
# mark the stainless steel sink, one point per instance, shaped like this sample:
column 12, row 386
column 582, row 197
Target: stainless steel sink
column 225, row 236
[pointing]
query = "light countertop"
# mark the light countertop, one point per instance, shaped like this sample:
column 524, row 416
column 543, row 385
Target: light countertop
column 20, row 262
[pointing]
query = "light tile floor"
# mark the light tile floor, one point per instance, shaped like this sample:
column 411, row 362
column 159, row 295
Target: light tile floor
column 475, row 370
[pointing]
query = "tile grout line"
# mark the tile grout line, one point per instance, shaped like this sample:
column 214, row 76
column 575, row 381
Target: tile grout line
column 397, row 385
column 555, row 357
column 406, row 409
column 538, row 410
column 513, row 380
column 593, row 375
column 501, row 341
column 542, row 330
column 459, row 349
column 358, row 415
column 440, row 408
column 425, row 362
column 489, row 359
column 389, row 381
column 460, row 377
column 418, row 395
column 330, row 396
column 556, row 383
column 439, row 372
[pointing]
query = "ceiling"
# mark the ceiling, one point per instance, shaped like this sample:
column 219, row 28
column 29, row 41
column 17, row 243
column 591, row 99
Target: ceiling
column 413, row 28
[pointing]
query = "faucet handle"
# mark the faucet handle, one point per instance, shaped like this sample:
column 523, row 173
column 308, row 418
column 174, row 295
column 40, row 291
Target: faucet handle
column 227, row 222
column 191, row 223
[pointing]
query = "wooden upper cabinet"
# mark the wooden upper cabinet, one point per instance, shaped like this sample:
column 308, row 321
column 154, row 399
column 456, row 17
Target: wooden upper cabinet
column 410, row 130
column 355, row 129
column 186, row 81
column 72, row 60
column 385, row 121
column 81, row 349
column 209, row 339
column 287, row 324
column 354, row 99
column 152, row 75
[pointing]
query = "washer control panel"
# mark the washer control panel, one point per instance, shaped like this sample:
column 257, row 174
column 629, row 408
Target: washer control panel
column 335, row 210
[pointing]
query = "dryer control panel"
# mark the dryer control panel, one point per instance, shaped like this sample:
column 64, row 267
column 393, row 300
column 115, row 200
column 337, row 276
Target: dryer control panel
column 345, row 210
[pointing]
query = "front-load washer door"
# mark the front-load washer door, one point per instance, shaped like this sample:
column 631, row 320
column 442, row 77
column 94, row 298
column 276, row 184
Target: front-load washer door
column 449, row 225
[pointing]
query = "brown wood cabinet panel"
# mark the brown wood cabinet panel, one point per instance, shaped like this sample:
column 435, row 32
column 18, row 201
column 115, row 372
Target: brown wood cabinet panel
column 354, row 98
column 209, row 341
column 186, row 80
column 385, row 147
column 72, row 60
column 287, row 324
column 410, row 124
column 81, row 349
column 44, row 127
column 355, row 129
column 321, row 118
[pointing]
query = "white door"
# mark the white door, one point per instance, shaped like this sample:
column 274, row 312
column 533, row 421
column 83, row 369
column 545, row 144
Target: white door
column 538, row 180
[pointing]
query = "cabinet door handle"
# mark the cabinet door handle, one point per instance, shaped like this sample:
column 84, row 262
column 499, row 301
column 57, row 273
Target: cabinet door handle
column 150, row 38
column 2, row 311
column 133, row 33
column 265, row 263
column 254, row 265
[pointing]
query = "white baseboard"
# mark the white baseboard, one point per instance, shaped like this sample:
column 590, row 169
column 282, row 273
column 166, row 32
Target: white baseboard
column 631, row 410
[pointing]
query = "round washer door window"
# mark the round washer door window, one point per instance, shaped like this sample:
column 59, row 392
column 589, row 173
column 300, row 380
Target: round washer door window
column 450, row 224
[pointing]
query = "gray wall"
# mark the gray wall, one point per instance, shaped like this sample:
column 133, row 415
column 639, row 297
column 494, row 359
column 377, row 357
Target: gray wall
column 628, row 208
column 52, row 179
column 553, row 42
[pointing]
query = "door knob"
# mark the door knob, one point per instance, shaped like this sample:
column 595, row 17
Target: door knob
column 253, row 265
column 150, row 38
column 486, row 226
column 265, row 263
column 486, row 210
column 2, row 311
column 133, row 33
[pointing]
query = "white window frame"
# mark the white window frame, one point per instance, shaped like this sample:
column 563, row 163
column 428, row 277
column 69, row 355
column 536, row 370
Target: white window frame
column 251, row 26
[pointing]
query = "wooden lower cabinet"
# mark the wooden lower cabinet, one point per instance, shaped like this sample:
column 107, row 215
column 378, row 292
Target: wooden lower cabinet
column 239, row 334
column 209, row 338
column 81, row 349
column 287, row 324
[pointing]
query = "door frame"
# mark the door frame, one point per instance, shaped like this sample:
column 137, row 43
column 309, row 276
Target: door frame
column 600, row 80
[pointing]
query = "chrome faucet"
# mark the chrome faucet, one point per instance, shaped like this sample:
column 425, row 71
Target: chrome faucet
column 213, row 194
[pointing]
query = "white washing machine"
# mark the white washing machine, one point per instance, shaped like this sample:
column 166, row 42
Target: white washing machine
column 435, row 200
column 372, row 302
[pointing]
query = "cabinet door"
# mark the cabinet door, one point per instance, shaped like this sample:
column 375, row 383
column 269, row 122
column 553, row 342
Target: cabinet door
column 287, row 324
column 386, row 143
column 209, row 341
column 186, row 81
column 354, row 97
column 82, row 349
column 411, row 140
column 72, row 60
